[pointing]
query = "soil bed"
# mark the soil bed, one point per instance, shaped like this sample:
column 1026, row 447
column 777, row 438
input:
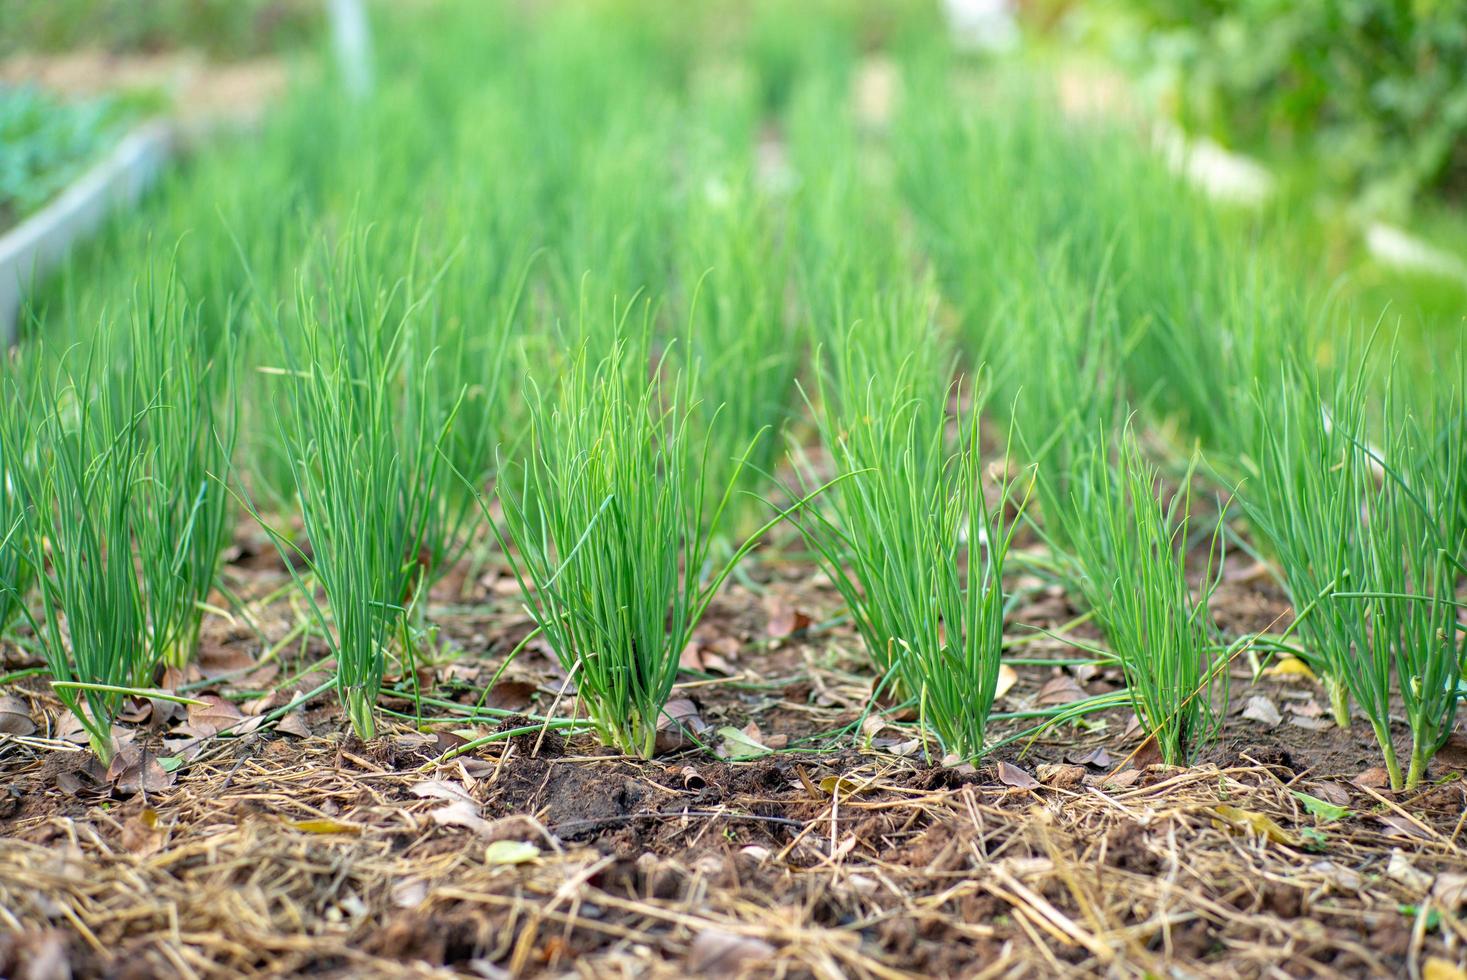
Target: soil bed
column 296, row 849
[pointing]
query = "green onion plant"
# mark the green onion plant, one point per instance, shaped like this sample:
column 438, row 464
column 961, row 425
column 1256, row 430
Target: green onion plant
column 1403, row 591
column 910, row 538
column 17, row 458
column 607, row 526
column 366, row 456
column 1306, row 482
column 176, row 382
column 1130, row 544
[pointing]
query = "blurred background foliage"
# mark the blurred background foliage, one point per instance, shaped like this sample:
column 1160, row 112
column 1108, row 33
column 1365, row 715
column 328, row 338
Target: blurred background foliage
column 1371, row 95
column 223, row 28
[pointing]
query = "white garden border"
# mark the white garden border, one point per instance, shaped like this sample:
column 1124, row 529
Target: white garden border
column 36, row 245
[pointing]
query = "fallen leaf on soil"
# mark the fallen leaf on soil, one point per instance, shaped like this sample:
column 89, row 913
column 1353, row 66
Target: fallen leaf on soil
column 1060, row 689
column 409, row 894
column 294, row 724
column 323, row 826
column 213, row 714
column 689, row 658
column 1402, row 826
column 1323, row 809
column 1400, row 870
column 1007, row 678
column 1342, row 878
column 1311, row 724
column 709, row 653
column 1450, row 889
column 91, row 775
column 1453, row 754
column 1252, row 572
column 679, row 721
column 140, row 833
column 739, row 745
column 138, row 711
column 15, row 716
column 1373, row 778
column 134, row 770
column 1307, row 709
column 906, row 748
column 831, row 785
column 784, row 619
column 510, row 696
column 461, row 813
column 174, row 678
column 185, row 749
column 446, row 741
column 1060, row 775
column 1097, row 757
column 715, row 953
column 1119, row 780
column 69, row 727
column 1437, row 968
column 510, row 852
column 1015, row 778
column 217, row 661
column 1256, row 823
column 1290, row 667
column 260, row 705
column 1261, row 709
column 1149, row 754
column 442, row 789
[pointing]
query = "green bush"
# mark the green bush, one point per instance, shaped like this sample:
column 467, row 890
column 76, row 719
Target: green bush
column 45, row 144
column 1372, row 92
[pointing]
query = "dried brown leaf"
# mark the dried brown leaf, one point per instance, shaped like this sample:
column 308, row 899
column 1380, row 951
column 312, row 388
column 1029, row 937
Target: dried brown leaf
column 1262, row 709
column 213, row 714
column 1007, row 678
column 1060, row 775
column 784, row 619
column 510, row 696
column 1059, row 689
column 15, row 716
column 715, row 953
column 1015, row 778
column 134, row 770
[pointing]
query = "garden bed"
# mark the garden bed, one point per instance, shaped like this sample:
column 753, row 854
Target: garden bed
column 298, row 849
column 30, row 249
column 758, row 492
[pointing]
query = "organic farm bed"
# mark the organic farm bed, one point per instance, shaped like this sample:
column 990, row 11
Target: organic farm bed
column 759, row 491
column 297, row 848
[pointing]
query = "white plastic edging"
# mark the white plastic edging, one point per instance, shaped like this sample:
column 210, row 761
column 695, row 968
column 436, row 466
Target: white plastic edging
column 32, row 248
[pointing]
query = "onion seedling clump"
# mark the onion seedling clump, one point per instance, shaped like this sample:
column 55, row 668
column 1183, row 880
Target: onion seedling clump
column 365, row 435
column 607, row 526
column 119, row 513
column 1130, row 545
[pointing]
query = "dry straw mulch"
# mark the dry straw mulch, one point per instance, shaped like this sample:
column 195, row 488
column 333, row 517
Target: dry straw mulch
column 327, row 857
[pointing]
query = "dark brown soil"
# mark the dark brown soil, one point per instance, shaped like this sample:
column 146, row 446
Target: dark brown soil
column 302, row 851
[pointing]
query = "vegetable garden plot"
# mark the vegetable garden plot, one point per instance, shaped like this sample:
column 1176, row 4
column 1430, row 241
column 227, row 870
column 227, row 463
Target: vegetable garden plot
column 613, row 502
